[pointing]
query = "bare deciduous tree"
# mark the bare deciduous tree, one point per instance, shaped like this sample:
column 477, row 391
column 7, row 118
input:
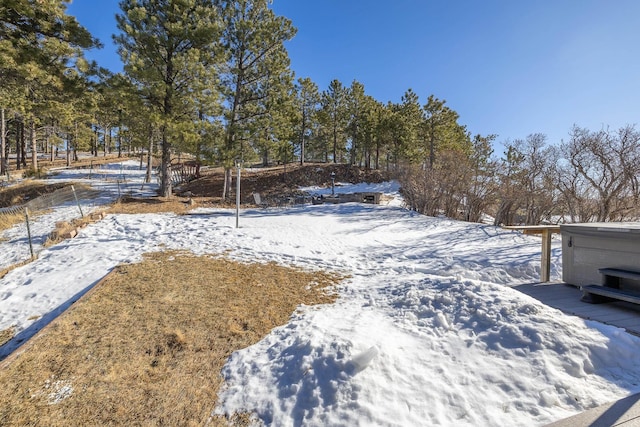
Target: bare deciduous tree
column 527, row 193
column 598, row 174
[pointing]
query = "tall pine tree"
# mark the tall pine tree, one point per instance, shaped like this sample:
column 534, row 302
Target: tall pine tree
column 171, row 52
column 41, row 62
column 257, row 69
column 307, row 101
column 333, row 118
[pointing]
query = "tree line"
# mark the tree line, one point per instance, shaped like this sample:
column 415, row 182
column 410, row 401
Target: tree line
column 212, row 78
column 592, row 176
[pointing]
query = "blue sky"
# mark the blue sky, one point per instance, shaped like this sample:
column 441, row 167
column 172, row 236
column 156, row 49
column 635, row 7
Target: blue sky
column 508, row 67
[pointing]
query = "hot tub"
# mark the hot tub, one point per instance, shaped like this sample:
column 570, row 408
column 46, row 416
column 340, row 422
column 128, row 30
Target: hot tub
column 589, row 246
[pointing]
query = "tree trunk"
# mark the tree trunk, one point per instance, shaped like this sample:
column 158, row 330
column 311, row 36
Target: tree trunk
column 23, row 146
column 68, row 153
column 147, row 177
column 34, row 145
column 335, row 145
column 227, row 182
column 230, row 143
column 107, row 141
column 352, row 152
column 165, row 169
column 432, row 150
column 18, row 151
column 3, row 142
column 74, row 147
column 504, row 213
column 119, row 133
column 19, row 144
column 96, row 141
column 52, row 149
column 120, row 141
column 304, row 120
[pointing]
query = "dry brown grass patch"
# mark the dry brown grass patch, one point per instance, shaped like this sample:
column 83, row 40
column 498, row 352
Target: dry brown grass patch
column 7, row 334
column 133, row 205
column 6, row 270
column 146, row 346
column 68, row 229
column 8, row 220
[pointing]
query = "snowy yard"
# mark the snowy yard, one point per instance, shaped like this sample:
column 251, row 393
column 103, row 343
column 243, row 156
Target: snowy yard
column 427, row 329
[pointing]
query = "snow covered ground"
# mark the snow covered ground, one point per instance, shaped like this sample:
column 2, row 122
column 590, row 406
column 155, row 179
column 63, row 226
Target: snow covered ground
column 427, row 329
column 111, row 180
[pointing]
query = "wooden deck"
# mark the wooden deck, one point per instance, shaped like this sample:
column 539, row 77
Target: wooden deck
column 566, row 298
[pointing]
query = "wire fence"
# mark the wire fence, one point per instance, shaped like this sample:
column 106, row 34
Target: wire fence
column 28, row 226
column 83, row 194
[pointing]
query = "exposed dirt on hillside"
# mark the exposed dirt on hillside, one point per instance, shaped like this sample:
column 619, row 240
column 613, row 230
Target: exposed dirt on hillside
column 19, row 194
column 278, row 182
column 273, row 183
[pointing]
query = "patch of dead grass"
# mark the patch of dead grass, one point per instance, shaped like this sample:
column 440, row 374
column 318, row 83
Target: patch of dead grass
column 6, row 270
column 68, row 229
column 133, row 205
column 146, row 346
column 8, row 220
column 7, row 334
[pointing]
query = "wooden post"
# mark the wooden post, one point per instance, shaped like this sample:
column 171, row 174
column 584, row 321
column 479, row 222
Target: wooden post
column 26, row 215
column 78, row 201
column 545, row 231
column 545, row 262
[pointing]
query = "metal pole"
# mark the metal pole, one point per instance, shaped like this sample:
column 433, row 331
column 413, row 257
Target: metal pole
column 26, row 214
column 238, row 196
column 77, row 201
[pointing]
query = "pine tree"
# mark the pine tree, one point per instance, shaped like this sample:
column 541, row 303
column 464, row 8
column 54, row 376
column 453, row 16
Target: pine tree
column 355, row 111
column 441, row 130
column 384, row 135
column 333, row 117
column 410, row 119
column 370, row 128
column 480, row 185
column 170, row 51
column 307, row 101
column 256, row 70
column 41, row 60
column 276, row 131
